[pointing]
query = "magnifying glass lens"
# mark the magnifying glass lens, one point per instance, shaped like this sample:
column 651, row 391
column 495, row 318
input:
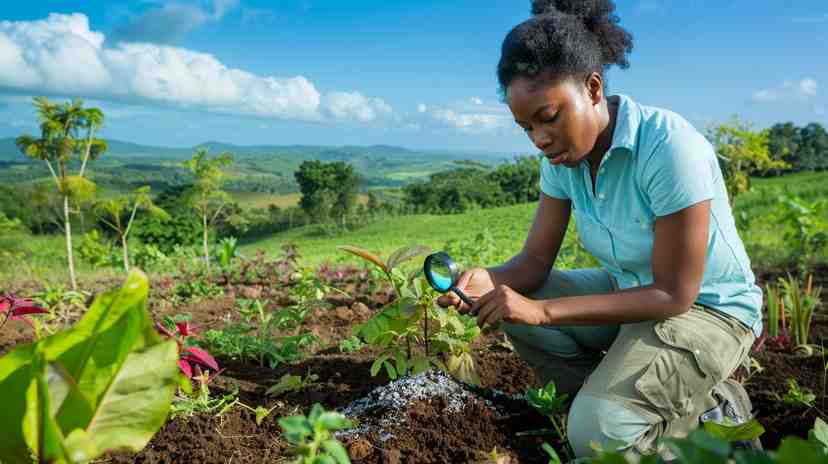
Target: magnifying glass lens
column 441, row 275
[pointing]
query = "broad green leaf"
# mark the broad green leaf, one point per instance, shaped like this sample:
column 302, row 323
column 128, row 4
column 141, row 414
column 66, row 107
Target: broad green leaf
column 405, row 253
column 366, row 255
column 42, row 434
column 84, row 364
column 819, row 434
column 337, row 451
column 136, row 403
column 795, row 450
column 747, row 431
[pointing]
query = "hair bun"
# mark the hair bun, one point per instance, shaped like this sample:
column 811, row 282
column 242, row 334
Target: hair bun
column 589, row 11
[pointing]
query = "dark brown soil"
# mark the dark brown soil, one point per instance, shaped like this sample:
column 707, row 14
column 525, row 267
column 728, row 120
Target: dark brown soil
column 431, row 435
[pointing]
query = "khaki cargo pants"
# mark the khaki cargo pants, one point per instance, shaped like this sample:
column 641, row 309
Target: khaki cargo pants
column 635, row 383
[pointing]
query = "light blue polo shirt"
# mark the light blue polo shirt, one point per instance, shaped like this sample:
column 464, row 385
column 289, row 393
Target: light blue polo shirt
column 658, row 164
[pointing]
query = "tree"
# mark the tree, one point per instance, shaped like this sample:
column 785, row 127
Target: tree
column 813, row 153
column 328, row 189
column 206, row 196
column 741, row 151
column 67, row 131
column 111, row 212
column 783, row 143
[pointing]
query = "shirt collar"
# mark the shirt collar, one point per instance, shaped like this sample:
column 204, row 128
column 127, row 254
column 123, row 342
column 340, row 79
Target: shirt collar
column 627, row 122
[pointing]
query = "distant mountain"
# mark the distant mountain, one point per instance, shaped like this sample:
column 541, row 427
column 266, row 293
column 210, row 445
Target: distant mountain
column 128, row 150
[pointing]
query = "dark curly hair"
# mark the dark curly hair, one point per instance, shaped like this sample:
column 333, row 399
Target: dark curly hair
column 564, row 38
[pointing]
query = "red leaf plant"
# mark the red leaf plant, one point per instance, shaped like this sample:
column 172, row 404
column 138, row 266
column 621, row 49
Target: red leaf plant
column 189, row 356
column 17, row 309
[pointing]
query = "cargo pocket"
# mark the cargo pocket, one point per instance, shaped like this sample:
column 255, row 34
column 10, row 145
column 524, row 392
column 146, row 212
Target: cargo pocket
column 699, row 354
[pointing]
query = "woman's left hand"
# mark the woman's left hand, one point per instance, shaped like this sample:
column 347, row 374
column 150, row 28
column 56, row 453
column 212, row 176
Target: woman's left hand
column 505, row 304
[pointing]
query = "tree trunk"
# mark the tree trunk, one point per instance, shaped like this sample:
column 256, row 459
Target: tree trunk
column 68, row 229
column 126, row 253
column 206, row 250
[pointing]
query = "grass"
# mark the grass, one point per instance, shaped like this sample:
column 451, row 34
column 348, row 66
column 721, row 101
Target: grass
column 249, row 200
column 508, row 226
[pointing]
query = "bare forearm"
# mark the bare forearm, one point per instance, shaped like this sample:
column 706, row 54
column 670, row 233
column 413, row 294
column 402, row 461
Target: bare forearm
column 622, row 307
column 523, row 273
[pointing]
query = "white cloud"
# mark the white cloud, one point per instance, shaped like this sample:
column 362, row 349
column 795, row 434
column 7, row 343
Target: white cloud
column 354, row 105
column 476, row 100
column 422, row 108
column 61, row 55
column 802, row 90
column 470, row 122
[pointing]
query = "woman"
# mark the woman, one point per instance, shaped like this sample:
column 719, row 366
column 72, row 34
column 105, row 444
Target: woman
column 648, row 340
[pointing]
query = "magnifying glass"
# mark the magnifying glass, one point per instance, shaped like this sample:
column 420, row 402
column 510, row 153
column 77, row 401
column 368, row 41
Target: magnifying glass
column 442, row 273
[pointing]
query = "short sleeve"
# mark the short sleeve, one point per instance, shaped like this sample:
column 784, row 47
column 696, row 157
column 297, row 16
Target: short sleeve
column 551, row 182
column 679, row 172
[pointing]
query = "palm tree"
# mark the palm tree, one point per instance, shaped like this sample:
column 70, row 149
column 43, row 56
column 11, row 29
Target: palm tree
column 60, row 139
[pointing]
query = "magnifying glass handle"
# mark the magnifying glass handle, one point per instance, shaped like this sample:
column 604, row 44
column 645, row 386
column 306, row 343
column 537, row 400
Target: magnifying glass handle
column 462, row 296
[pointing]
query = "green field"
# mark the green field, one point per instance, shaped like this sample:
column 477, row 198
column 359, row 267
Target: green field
column 507, row 227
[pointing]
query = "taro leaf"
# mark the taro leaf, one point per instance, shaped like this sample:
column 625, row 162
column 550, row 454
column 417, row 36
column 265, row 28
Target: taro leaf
column 88, row 357
column 134, row 406
column 405, row 253
column 742, row 432
column 41, row 432
column 366, row 255
column 337, row 451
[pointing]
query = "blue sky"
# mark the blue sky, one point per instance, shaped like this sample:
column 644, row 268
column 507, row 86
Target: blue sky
column 416, row 74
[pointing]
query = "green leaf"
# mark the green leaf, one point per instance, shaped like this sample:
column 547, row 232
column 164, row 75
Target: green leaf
column 137, row 401
column 402, row 363
column 742, row 432
column 819, row 434
column 331, row 421
column 699, row 446
column 795, row 450
column 392, row 373
column 405, row 253
column 553, row 455
column 337, row 451
column 109, row 359
column 296, row 428
column 377, row 364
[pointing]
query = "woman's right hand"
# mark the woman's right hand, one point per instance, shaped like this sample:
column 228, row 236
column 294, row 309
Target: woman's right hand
column 474, row 282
